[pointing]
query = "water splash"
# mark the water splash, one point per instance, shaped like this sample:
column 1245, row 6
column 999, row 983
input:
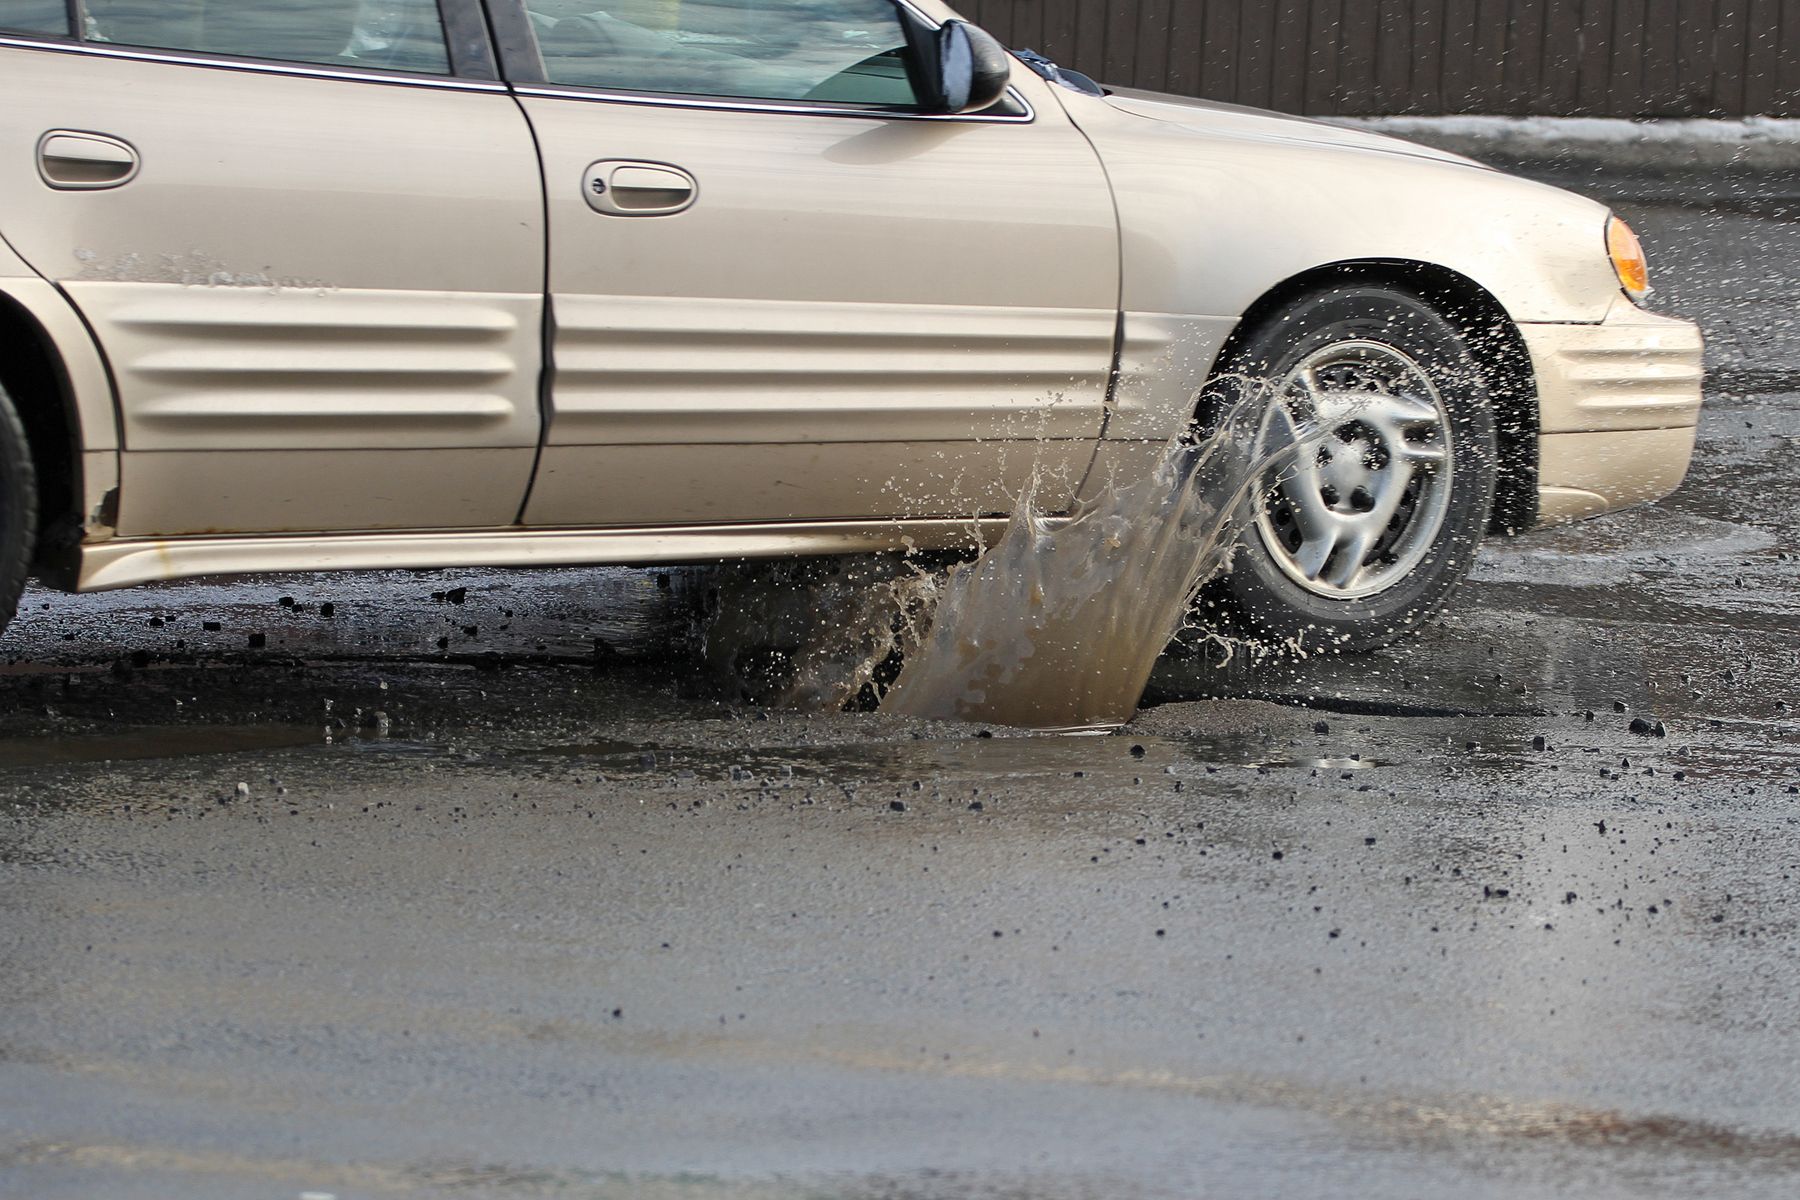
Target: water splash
column 1058, row 625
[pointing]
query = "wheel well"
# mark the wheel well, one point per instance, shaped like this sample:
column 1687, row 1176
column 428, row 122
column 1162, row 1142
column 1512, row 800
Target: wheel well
column 1493, row 337
column 32, row 373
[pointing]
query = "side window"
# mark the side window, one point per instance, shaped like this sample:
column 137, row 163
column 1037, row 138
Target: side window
column 35, row 16
column 832, row 51
column 390, row 35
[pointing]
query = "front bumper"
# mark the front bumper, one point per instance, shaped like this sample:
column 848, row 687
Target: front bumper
column 1617, row 407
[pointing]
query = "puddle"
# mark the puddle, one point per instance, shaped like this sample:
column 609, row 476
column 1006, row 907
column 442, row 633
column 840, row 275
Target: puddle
column 1330, row 764
column 939, row 761
column 148, row 742
column 154, row 742
column 598, row 749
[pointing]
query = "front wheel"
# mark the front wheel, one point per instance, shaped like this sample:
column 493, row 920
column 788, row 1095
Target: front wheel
column 1360, row 533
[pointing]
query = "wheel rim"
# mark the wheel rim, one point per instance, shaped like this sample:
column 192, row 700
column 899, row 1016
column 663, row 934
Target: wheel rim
column 1365, row 499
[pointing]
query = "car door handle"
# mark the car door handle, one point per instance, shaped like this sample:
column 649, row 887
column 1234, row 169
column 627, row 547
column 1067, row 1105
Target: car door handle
column 74, row 161
column 626, row 188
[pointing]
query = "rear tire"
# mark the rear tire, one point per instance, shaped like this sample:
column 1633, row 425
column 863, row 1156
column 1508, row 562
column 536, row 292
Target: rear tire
column 18, row 508
column 1362, row 538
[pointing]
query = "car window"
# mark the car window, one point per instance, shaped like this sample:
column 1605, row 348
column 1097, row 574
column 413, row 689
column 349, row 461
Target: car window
column 391, row 35
column 833, row 51
column 35, row 16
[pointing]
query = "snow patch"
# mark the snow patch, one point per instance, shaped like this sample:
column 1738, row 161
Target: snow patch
column 1757, row 142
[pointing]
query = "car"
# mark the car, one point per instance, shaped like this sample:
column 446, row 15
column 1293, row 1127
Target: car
column 495, row 283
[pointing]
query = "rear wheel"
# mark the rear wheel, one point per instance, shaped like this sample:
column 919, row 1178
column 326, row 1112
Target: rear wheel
column 1361, row 533
column 18, row 508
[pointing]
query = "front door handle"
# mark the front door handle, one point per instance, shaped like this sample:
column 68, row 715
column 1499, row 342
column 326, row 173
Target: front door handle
column 71, row 160
column 627, row 188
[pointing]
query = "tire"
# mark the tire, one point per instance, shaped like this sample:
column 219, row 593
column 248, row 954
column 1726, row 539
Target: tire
column 18, row 509
column 1360, row 537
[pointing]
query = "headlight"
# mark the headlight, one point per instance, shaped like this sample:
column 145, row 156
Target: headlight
column 1627, row 259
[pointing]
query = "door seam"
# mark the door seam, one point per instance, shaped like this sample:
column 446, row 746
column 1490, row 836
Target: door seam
column 547, row 320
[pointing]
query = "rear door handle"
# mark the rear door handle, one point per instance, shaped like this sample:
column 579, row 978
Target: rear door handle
column 626, row 188
column 71, row 160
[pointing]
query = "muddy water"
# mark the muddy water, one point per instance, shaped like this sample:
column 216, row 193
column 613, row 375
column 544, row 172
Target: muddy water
column 1054, row 627
column 150, row 742
column 1058, row 625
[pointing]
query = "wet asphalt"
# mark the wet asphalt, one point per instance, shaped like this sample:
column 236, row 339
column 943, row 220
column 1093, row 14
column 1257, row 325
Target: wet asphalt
column 463, row 886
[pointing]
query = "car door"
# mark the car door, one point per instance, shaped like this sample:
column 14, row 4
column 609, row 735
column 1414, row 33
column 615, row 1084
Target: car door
column 782, row 292
column 309, row 240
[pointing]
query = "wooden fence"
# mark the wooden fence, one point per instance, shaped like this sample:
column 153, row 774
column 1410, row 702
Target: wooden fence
column 1615, row 58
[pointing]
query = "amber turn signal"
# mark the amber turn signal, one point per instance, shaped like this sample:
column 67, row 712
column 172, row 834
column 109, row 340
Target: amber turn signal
column 1628, row 259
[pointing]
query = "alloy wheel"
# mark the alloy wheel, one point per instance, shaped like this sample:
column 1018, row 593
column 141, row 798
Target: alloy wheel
column 1364, row 498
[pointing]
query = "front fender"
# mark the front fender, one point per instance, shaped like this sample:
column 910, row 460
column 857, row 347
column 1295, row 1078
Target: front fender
column 1212, row 218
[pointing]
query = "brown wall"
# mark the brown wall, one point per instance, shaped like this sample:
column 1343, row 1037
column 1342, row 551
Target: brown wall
column 1617, row 58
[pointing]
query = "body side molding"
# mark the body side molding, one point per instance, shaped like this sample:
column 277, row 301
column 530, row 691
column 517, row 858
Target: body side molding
column 125, row 562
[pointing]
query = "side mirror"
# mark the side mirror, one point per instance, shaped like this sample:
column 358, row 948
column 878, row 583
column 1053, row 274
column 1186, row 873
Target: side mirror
column 964, row 68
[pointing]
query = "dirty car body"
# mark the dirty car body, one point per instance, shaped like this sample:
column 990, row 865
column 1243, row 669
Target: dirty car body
column 377, row 283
